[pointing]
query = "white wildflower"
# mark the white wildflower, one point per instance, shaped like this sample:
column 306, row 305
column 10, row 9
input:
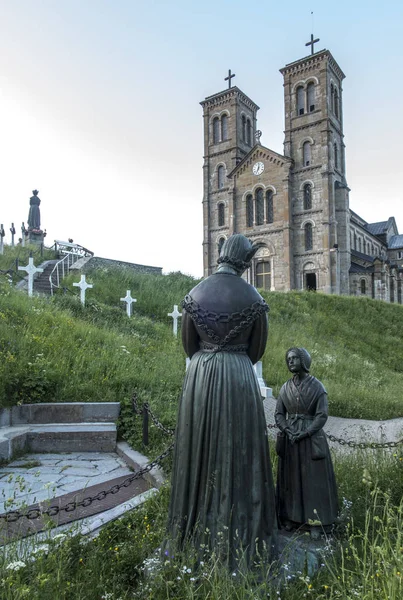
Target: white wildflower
column 41, row 548
column 16, row 565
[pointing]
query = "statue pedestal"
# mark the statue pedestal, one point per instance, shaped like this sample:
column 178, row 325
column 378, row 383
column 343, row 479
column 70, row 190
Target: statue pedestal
column 299, row 554
column 35, row 236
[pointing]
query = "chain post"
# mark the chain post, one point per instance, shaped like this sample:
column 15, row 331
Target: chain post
column 145, row 425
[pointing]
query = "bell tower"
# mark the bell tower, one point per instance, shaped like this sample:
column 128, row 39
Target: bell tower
column 229, row 119
column 314, row 140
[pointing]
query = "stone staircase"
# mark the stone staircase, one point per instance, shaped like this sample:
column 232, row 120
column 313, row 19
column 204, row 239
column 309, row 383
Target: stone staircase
column 41, row 283
column 58, row 427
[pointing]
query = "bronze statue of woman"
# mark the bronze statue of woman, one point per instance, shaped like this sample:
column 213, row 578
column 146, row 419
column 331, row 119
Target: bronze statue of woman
column 222, row 494
column 306, row 485
column 34, row 216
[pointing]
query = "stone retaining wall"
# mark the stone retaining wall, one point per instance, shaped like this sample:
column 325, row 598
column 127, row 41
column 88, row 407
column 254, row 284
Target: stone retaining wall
column 96, row 262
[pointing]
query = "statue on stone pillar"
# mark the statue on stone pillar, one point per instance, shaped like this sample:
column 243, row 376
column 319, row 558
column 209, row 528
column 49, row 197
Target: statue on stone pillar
column 306, row 485
column 34, row 216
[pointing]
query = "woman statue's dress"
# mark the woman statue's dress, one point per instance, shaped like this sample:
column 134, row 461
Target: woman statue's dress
column 222, row 487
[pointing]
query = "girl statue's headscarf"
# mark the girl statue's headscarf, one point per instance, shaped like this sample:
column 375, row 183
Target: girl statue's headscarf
column 304, row 357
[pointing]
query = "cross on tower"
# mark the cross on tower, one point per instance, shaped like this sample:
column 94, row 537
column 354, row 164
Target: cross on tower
column 258, row 135
column 230, row 76
column 129, row 301
column 311, row 43
column 83, row 285
column 31, row 270
column 175, row 315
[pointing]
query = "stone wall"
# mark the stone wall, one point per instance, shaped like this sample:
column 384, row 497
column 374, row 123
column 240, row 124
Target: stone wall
column 96, row 262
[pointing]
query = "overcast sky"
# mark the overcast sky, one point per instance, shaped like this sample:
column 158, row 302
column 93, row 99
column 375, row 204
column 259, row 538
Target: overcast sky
column 99, row 110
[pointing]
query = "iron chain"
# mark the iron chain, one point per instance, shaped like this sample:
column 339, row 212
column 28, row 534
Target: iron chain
column 52, row 511
column 352, row 444
column 138, row 411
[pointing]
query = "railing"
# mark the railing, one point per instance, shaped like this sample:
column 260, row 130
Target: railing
column 72, row 253
column 63, row 247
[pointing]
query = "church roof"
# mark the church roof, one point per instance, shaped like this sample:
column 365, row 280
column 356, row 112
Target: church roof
column 226, row 94
column 396, row 241
column 354, row 268
column 302, row 63
column 377, row 228
column 361, row 256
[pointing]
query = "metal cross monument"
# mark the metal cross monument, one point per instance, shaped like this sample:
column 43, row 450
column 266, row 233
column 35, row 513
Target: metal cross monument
column 83, row 285
column 230, row 76
column 129, row 301
column 175, row 315
column 311, row 43
column 31, row 270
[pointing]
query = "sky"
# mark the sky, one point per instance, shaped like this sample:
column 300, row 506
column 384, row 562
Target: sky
column 99, row 110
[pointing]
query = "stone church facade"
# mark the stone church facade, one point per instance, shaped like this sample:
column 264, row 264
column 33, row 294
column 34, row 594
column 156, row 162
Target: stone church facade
column 297, row 204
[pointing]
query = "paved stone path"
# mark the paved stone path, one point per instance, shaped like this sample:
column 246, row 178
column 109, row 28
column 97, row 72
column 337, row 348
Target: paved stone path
column 25, row 482
column 356, row 430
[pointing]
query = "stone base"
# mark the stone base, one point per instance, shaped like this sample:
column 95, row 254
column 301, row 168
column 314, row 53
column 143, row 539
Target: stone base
column 299, row 554
column 35, row 238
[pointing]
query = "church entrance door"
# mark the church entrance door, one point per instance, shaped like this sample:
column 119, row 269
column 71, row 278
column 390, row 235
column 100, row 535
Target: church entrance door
column 310, row 282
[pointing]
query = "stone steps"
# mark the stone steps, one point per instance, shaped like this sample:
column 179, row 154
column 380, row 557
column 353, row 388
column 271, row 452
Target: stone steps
column 42, row 283
column 58, row 427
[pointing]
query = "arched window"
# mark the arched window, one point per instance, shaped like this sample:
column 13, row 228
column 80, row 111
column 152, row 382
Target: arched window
column 300, row 100
column 263, row 275
column 224, row 128
column 243, row 128
column 249, row 211
column 336, row 103
column 360, row 244
column 363, row 287
column 332, row 97
column 249, row 132
column 220, row 177
column 216, row 130
column 220, row 244
column 259, row 207
column 372, row 250
column 307, row 196
column 336, row 156
column 306, row 151
column 308, row 236
column 221, row 209
column 310, row 94
column 269, row 206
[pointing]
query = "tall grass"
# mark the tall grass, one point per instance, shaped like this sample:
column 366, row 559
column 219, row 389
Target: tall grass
column 21, row 254
column 123, row 562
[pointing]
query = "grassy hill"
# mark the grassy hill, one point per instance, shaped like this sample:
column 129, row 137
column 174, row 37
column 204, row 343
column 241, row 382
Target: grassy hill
column 54, row 349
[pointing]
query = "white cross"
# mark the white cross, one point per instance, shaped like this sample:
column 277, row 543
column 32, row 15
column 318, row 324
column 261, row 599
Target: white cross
column 83, row 285
column 175, row 315
column 129, row 301
column 31, row 270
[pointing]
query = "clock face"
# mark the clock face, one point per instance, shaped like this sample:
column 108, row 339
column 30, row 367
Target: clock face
column 258, row 168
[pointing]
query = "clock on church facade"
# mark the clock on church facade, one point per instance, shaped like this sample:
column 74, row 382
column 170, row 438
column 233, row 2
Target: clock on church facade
column 297, row 203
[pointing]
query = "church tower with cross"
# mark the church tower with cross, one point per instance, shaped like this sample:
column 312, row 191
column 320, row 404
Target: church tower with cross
column 229, row 134
column 296, row 203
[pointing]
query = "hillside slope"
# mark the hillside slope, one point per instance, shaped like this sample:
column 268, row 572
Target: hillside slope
column 54, row 349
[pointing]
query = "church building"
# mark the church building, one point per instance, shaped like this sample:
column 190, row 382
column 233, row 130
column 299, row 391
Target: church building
column 295, row 204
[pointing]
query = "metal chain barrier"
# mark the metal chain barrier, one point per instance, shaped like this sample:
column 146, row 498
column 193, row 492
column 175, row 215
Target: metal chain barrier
column 363, row 445
column 52, row 511
column 351, row 444
column 146, row 410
